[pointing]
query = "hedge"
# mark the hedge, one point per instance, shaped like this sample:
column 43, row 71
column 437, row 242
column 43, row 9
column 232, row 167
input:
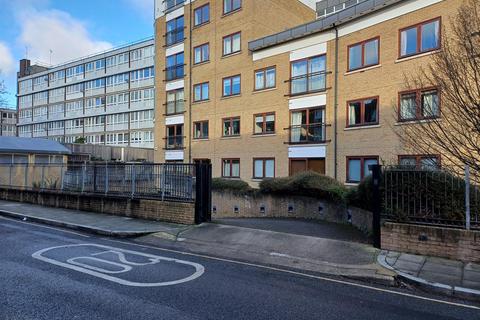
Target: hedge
column 235, row 186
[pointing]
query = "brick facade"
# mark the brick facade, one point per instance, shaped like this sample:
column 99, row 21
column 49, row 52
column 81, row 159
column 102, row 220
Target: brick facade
column 449, row 243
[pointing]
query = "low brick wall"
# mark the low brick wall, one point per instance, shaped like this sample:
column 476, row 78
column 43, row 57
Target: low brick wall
column 230, row 205
column 167, row 211
column 449, row 243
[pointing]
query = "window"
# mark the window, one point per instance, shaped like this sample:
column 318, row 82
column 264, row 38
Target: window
column 174, row 139
column 174, row 67
column 362, row 112
column 201, row 53
column 100, row 64
column 231, row 43
column 200, row 92
column 175, row 101
column 420, row 38
column 231, row 86
column 200, row 130
column 175, row 31
column 202, row 15
column 419, row 104
column 423, row 162
column 263, row 168
column 308, row 75
column 231, row 127
column 170, row 4
column 264, row 123
column 363, row 54
column 307, row 126
column 231, row 168
column 265, row 78
column 231, row 5
column 358, row 168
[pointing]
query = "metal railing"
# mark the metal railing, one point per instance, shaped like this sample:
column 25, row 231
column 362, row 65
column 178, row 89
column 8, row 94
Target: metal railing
column 311, row 82
column 174, row 36
column 174, row 142
column 430, row 196
column 175, row 182
column 311, row 133
column 174, row 107
column 174, row 72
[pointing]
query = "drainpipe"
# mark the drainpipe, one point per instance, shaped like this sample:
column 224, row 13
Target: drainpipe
column 335, row 104
column 190, row 87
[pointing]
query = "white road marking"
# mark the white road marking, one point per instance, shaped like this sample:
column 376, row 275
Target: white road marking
column 100, row 272
column 353, row 284
column 43, row 226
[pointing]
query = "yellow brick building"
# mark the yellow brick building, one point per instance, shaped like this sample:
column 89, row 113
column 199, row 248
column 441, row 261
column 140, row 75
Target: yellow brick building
column 263, row 88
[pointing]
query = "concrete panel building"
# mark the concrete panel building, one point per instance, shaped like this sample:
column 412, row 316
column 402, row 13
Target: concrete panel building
column 8, row 122
column 106, row 98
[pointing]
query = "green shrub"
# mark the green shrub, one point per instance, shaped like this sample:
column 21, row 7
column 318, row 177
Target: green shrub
column 308, row 184
column 361, row 196
column 236, row 186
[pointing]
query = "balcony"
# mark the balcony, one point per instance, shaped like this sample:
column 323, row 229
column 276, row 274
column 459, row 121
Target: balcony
column 174, row 142
column 175, row 107
column 172, row 4
column 307, row 133
column 308, row 83
column 174, row 72
column 174, row 36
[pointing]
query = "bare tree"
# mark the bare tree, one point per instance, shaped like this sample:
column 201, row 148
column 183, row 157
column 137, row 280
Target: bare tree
column 455, row 71
column 3, row 93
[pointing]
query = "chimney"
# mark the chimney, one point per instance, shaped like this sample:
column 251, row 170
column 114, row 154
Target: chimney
column 24, row 67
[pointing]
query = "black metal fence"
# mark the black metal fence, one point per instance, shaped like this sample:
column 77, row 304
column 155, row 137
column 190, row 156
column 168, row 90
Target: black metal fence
column 430, row 196
column 175, row 182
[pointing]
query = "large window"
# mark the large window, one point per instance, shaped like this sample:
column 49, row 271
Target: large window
column 419, row 104
column 175, row 65
column 424, row 162
column 363, row 54
column 231, row 43
column 231, row 127
column 362, row 112
column 170, row 4
column 263, row 168
column 175, row 31
column 175, row 102
column 231, row 168
column 265, row 78
column 200, row 92
column 308, row 75
column 419, row 38
column 231, row 5
column 307, row 126
column 200, row 130
column 174, row 139
column 231, row 86
column 202, row 15
column 201, row 53
column 264, row 123
column 358, row 168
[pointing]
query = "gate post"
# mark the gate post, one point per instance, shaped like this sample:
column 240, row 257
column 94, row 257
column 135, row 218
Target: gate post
column 376, row 204
column 203, row 192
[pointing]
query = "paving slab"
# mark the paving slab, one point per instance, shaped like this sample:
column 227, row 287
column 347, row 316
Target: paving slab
column 436, row 267
column 92, row 222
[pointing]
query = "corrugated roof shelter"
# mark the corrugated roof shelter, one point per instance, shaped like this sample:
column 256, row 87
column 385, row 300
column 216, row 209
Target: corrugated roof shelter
column 32, row 146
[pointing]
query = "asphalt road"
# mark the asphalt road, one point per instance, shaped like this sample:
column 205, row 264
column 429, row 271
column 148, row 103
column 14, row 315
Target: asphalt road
column 48, row 273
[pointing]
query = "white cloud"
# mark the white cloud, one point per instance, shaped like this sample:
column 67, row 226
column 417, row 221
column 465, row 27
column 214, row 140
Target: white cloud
column 7, row 64
column 67, row 37
column 144, row 7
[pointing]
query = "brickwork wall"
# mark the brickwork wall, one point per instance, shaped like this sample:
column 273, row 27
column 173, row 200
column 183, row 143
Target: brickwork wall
column 167, row 211
column 449, row 243
column 249, row 206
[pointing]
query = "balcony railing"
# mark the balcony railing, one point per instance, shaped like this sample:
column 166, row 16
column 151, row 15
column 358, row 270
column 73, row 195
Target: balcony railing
column 170, row 4
column 174, row 142
column 174, row 107
column 307, row 133
column 174, row 72
column 174, row 36
column 307, row 83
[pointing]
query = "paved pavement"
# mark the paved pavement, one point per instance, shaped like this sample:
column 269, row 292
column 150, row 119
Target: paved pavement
column 58, row 274
column 313, row 228
column 450, row 275
column 81, row 220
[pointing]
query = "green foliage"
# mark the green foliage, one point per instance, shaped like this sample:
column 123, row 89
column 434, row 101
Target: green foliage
column 310, row 184
column 361, row 196
column 232, row 185
column 80, row 140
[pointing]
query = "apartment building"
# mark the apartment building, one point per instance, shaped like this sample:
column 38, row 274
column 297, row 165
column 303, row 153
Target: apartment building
column 106, row 98
column 204, row 74
column 328, row 95
column 8, row 122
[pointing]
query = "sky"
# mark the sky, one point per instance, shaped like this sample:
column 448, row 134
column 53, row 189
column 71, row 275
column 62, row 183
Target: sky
column 56, row 31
